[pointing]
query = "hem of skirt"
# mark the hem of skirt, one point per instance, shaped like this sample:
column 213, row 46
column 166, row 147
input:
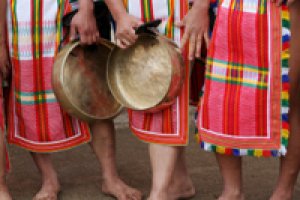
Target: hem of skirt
column 50, row 148
column 161, row 141
column 243, row 152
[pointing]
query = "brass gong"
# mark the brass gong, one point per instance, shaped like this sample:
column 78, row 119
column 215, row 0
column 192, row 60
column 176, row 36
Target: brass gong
column 79, row 81
column 146, row 75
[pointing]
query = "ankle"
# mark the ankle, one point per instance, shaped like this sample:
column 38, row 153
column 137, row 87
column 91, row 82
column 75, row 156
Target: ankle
column 232, row 192
column 111, row 177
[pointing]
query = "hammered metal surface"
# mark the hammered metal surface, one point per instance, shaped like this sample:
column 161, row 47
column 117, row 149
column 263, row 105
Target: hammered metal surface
column 140, row 75
column 83, row 81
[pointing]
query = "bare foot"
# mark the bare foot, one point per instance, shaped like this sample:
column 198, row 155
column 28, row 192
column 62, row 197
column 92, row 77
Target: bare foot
column 281, row 195
column 49, row 191
column 118, row 189
column 4, row 193
column 231, row 196
column 182, row 188
column 159, row 196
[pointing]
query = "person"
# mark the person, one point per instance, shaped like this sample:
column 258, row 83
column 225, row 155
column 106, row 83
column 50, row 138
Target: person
column 290, row 164
column 4, row 70
column 36, row 121
column 244, row 108
column 166, row 130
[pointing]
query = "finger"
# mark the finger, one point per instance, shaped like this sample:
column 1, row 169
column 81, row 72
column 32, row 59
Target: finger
column 83, row 39
column 131, row 38
column 133, row 35
column 90, row 39
column 125, row 42
column 73, row 32
column 206, row 39
column 198, row 45
column 119, row 44
column 184, row 39
column 94, row 38
column 123, row 45
column 192, row 47
column 97, row 35
column 127, row 39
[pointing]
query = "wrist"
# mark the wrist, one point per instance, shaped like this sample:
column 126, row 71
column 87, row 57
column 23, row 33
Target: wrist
column 119, row 15
column 86, row 5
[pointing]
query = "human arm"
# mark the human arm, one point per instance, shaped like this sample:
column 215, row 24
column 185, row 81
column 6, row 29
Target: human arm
column 4, row 59
column 84, row 23
column 126, row 23
column 196, row 27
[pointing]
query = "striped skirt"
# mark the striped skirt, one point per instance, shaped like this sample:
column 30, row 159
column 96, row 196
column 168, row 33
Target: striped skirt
column 169, row 126
column 245, row 104
column 36, row 121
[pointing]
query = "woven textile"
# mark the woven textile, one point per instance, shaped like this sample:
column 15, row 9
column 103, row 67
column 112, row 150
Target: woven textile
column 36, row 121
column 169, row 126
column 244, row 107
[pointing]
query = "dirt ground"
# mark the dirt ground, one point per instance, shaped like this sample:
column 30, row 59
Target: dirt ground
column 80, row 175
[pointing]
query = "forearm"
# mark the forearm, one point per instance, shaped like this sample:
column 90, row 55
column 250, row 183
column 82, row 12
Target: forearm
column 116, row 8
column 2, row 20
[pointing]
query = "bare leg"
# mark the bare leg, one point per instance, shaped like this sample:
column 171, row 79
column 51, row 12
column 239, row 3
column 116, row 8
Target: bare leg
column 50, row 186
column 181, row 185
column 231, row 170
column 4, row 193
column 103, row 144
column 163, row 159
column 290, row 165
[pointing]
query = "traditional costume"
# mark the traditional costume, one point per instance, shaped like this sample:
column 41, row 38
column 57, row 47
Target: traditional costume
column 169, row 126
column 36, row 121
column 244, row 108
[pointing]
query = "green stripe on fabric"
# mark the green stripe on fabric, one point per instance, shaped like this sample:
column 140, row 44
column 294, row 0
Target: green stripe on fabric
column 236, row 82
column 286, row 23
column 250, row 152
column 34, row 93
column 285, row 102
column 262, row 69
column 285, row 63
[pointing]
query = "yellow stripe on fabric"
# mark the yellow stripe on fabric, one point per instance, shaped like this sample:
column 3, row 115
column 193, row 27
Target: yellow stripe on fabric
column 285, row 14
column 14, row 29
column 285, row 95
column 60, row 13
column 220, row 149
column 235, row 67
column 238, row 80
column 37, row 28
column 285, row 54
column 258, row 153
column 170, row 24
column 147, row 13
column 285, row 133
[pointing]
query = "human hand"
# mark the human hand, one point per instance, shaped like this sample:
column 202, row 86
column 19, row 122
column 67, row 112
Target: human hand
column 125, row 33
column 84, row 24
column 196, row 24
column 4, row 60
